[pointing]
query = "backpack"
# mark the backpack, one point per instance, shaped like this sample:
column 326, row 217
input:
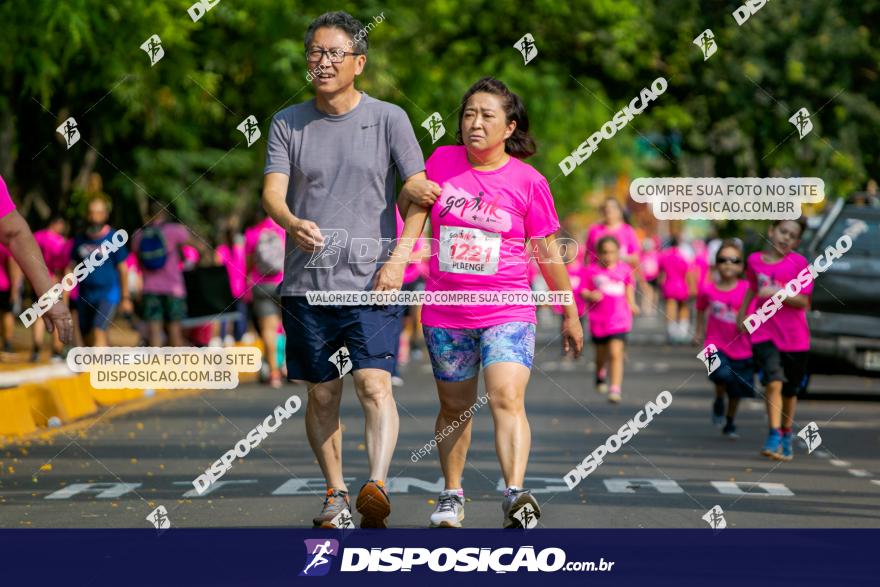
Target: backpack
column 269, row 253
column 152, row 250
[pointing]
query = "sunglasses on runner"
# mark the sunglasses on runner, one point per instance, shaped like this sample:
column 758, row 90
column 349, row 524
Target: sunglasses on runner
column 731, row 260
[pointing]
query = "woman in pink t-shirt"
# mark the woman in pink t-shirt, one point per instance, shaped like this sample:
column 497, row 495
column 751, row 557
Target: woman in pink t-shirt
column 726, row 351
column 10, row 282
column 649, row 267
column 492, row 208
column 677, row 284
column 609, row 289
column 781, row 343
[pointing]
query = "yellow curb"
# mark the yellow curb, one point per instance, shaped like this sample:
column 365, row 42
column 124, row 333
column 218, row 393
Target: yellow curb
column 15, row 412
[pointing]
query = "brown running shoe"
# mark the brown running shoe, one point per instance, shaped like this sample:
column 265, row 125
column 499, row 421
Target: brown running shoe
column 373, row 504
column 335, row 503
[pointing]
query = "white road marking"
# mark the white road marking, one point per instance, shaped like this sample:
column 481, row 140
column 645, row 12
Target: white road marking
column 859, row 473
column 630, row 485
column 103, row 490
column 733, row 488
column 839, row 463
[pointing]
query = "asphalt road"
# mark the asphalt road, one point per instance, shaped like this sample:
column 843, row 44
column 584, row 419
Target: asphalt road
column 115, row 471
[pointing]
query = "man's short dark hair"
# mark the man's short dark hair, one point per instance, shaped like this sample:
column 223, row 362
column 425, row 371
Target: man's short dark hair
column 344, row 21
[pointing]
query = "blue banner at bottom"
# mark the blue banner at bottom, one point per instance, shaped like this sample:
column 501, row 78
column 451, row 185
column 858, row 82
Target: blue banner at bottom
column 268, row 557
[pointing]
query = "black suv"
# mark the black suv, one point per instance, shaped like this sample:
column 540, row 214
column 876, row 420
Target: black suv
column 844, row 317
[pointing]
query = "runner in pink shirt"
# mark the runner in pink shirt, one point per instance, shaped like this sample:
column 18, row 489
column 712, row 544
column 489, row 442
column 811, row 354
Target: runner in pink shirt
column 728, row 351
column 613, row 224
column 649, row 267
column 10, row 282
column 56, row 249
column 492, row 208
column 413, row 280
column 264, row 250
column 231, row 254
column 608, row 287
column 677, row 286
column 16, row 235
column 780, row 344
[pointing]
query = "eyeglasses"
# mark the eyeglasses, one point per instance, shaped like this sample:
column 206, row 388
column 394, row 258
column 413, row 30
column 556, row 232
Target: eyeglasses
column 336, row 56
column 731, row 260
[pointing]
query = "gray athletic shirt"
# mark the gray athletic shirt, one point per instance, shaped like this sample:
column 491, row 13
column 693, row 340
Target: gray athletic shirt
column 343, row 172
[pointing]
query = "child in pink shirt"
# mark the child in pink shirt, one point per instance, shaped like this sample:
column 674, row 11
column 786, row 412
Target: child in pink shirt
column 727, row 351
column 649, row 267
column 677, row 286
column 780, row 344
column 608, row 287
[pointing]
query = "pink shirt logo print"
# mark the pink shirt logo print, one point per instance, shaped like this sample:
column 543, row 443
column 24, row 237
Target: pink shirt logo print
column 475, row 210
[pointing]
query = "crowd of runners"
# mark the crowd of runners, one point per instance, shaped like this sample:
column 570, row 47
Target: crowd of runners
column 331, row 175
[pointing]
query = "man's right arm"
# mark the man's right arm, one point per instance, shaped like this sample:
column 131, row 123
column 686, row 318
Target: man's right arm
column 305, row 233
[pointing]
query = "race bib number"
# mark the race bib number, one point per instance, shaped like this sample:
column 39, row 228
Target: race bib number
column 469, row 250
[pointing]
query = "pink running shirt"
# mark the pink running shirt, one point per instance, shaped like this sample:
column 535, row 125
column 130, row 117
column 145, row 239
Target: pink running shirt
column 611, row 314
column 675, row 266
column 722, row 307
column 251, row 239
column 787, row 328
column 624, row 233
column 480, row 224
column 6, row 203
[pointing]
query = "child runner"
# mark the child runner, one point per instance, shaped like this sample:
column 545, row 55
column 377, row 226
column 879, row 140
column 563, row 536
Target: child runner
column 676, row 283
column 779, row 345
column 718, row 304
column 608, row 287
column 649, row 268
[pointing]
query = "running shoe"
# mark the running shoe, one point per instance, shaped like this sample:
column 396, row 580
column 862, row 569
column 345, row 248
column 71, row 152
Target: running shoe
column 396, row 381
column 373, row 504
column 335, row 502
column 601, row 384
column 772, row 445
column 614, row 396
column 730, row 431
column 718, row 412
column 275, row 379
column 516, row 500
column 787, row 448
column 449, row 511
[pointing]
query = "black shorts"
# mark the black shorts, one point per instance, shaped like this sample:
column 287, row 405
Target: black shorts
column 371, row 334
column 774, row 365
column 5, row 303
column 604, row 339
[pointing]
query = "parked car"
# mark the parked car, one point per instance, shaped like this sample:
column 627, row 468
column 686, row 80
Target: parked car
column 844, row 316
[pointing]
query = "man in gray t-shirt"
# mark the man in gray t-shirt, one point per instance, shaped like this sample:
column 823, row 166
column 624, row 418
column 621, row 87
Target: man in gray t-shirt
column 330, row 178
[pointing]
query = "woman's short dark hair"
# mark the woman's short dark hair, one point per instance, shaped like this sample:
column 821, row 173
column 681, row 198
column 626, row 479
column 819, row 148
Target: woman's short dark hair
column 344, row 21
column 520, row 144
